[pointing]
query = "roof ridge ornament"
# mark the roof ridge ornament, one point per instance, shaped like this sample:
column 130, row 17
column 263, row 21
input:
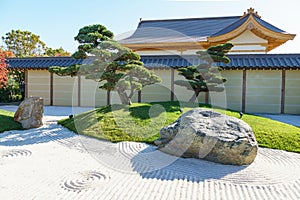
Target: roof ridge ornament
column 251, row 11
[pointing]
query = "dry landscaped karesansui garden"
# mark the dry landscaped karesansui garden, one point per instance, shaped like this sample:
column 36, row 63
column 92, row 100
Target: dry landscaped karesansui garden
column 192, row 108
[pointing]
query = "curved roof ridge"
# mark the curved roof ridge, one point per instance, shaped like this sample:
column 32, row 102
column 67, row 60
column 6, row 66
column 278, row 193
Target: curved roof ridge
column 186, row 19
column 268, row 25
column 241, row 21
column 231, row 27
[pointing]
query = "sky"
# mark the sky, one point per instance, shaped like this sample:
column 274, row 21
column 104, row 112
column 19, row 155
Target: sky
column 58, row 22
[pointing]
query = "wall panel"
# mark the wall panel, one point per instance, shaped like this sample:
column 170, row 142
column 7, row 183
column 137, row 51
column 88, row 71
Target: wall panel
column 39, row 84
column 292, row 92
column 263, row 92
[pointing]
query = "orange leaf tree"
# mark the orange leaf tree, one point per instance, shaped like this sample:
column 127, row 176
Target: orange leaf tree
column 3, row 70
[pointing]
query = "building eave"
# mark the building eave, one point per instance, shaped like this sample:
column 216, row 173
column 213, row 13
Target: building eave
column 274, row 39
column 179, row 46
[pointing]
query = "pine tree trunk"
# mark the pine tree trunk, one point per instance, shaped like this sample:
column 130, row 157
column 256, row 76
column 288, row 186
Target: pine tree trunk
column 194, row 97
column 124, row 98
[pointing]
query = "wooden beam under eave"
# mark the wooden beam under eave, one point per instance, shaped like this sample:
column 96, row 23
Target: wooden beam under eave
column 273, row 40
column 244, row 86
column 26, row 83
column 172, row 83
column 180, row 46
column 283, row 80
column 257, row 29
column 51, row 89
column 79, row 91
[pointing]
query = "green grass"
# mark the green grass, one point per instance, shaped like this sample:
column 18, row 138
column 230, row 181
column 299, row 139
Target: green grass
column 7, row 121
column 142, row 122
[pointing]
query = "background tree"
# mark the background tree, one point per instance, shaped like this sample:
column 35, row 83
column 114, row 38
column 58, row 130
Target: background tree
column 118, row 68
column 24, row 43
column 9, row 88
column 3, row 71
column 205, row 77
column 7, row 54
column 56, row 52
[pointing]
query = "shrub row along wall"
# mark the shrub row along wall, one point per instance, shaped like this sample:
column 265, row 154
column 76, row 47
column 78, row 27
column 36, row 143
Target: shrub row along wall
column 253, row 91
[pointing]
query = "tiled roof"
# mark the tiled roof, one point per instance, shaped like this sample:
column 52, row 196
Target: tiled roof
column 42, row 62
column 232, row 26
column 239, row 22
column 176, row 30
column 238, row 61
column 263, row 61
column 268, row 25
column 189, row 30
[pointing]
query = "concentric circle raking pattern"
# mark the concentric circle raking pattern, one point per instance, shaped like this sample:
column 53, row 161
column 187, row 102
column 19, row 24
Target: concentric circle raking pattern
column 84, row 181
column 15, row 153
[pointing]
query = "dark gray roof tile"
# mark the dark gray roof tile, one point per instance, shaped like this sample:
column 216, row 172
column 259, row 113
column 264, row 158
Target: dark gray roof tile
column 166, row 61
column 188, row 30
column 193, row 29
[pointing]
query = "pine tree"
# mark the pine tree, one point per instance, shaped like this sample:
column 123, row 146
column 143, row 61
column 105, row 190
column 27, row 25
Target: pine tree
column 206, row 76
column 116, row 67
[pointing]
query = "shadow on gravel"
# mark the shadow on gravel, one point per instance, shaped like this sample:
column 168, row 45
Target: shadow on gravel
column 151, row 163
column 44, row 134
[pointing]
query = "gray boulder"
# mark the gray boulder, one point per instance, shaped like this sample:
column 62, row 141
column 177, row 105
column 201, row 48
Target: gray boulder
column 209, row 135
column 30, row 113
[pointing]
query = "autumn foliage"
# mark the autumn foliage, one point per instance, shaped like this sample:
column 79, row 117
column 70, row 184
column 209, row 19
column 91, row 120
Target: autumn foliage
column 3, row 70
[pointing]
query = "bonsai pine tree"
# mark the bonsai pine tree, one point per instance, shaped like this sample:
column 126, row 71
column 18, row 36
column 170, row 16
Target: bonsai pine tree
column 117, row 67
column 205, row 77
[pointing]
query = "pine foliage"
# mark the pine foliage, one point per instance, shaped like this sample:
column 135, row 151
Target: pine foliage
column 206, row 76
column 115, row 67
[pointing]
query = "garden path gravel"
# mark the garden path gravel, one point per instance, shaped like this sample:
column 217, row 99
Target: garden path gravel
column 51, row 162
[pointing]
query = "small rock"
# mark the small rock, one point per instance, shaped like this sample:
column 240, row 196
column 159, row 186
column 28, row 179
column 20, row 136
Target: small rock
column 30, row 113
column 209, row 135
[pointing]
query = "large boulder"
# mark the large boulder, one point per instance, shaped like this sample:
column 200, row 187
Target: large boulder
column 209, row 135
column 30, row 113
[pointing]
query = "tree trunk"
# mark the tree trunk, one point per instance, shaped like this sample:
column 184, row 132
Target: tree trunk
column 194, row 97
column 108, row 97
column 124, row 98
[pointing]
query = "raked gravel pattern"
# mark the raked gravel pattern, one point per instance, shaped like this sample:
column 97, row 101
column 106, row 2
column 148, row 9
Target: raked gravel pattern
column 53, row 163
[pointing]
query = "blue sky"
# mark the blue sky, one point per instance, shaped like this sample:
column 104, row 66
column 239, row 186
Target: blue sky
column 57, row 22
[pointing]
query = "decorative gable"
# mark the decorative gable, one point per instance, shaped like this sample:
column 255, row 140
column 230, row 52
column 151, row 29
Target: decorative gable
column 249, row 33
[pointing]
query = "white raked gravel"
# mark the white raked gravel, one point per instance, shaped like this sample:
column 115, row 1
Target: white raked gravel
column 53, row 163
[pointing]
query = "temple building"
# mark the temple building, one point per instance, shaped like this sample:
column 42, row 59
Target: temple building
column 249, row 34
column 257, row 81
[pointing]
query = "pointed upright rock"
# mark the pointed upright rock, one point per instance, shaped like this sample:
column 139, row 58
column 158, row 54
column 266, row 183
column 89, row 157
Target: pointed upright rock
column 30, row 113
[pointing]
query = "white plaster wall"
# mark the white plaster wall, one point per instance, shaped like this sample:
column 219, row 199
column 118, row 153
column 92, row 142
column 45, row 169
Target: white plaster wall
column 65, row 90
column 160, row 91
column 233, row 89
column 292, row 92
column 248, row 37
column 39, row 84
column 263, row 92
column 248, row 42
